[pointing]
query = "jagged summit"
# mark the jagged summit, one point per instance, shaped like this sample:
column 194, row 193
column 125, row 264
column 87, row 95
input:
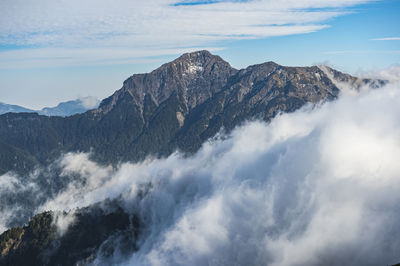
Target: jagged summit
column 194, row 77
column 200, row 58
column 201, row 55
column 177, row 106
column 200, row 62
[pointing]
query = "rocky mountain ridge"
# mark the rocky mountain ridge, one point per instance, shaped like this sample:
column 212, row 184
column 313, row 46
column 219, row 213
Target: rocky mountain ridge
column 7, row 108
column 177, row 106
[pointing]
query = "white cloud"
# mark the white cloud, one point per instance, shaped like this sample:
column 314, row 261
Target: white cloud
column 93, row 177
column 371, row 52
column 387, row 39
column 318, row 186
column 12, row 207
column 63, row 221
column 89, row 102
column 150, row 27
column 321, row 191
column 391, row 73
column 51, row 57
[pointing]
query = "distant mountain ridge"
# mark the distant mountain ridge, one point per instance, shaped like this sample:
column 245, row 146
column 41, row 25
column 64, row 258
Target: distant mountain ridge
column 11, row 108
column 179, row 105
column 62, row 109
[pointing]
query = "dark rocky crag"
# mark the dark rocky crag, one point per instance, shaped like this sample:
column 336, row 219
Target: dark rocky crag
column 177, row 106
column 40, row 243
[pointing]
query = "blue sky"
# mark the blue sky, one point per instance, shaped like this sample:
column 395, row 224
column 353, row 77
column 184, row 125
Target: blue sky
column 52, row 51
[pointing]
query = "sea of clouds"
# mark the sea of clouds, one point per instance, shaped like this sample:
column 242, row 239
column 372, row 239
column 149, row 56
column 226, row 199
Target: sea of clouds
column 319, row 186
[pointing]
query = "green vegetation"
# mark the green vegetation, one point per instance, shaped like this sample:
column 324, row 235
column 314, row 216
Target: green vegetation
column 39, row 242
column 24, row 246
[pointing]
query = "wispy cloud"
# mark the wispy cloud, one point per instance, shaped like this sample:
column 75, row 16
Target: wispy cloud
column 387, row 39
column 124, row 25
column 343, row 52
column 53, row 57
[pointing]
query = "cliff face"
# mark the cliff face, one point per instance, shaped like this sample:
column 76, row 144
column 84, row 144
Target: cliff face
column 195, row 77
column 178, row 105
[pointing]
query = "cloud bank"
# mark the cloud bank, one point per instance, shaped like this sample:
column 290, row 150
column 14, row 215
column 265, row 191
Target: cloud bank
column 318, row 186
column 315, row 187
column 63, row 31
column 392, row 74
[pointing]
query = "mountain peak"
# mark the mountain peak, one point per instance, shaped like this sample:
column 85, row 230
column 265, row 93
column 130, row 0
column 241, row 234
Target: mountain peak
column 197, row 56
column 194, row 76
column 195, row 62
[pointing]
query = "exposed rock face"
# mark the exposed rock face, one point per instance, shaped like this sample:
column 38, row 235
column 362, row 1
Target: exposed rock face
column 195, row 77
column 179, row 105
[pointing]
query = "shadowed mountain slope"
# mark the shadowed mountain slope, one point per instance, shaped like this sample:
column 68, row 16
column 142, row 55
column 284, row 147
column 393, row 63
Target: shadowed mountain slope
column 177, row 106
